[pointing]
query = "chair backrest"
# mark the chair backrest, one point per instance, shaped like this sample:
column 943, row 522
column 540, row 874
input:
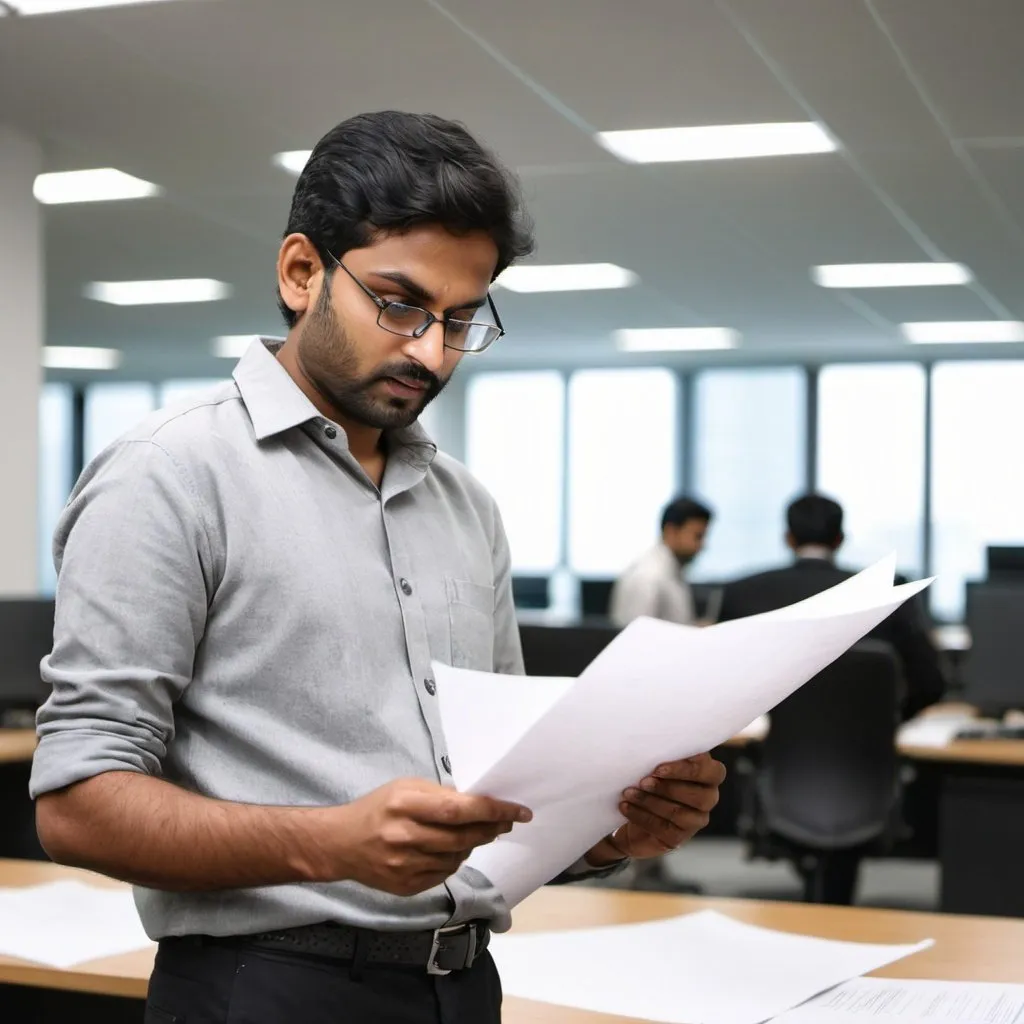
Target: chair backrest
column 829, row 771
column 563, row 650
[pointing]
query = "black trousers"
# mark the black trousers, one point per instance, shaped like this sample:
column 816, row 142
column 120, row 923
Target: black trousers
column 209, row 983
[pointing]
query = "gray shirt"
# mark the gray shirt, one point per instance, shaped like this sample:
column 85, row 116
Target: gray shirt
column 241, row 610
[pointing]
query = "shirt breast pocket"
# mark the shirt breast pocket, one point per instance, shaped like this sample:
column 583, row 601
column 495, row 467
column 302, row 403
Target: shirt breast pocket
column 471, row 624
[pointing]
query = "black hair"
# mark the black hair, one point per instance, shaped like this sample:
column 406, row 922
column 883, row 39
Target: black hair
column 681, row 510
column 815, row 519
column 391, row 171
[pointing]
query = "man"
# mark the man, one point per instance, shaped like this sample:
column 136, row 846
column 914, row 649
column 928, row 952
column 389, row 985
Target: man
column 815, row 534
column 252, row 587
column 654, row 585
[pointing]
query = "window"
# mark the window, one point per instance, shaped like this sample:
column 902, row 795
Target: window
column 515, row 427
column 871, row 452
column 172, row 391
column 751, row 430
column 112, row 410
column 977, row 487
column 623, row 464
column 55, row 453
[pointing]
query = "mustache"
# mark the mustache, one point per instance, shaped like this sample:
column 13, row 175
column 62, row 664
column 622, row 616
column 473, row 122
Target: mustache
column 410, row 371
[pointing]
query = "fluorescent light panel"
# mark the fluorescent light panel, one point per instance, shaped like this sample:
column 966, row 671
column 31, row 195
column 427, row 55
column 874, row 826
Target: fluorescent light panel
column 84, row 358
column 567, row 277
column 92, row 186
column 717, row 142
column 676, row 339
column 890, row 275
column 28, row 7
column 151, row 293
column 294, row 160
column 953, row 332
column 232, row 346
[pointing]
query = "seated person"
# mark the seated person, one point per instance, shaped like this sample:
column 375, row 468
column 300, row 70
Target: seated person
column 654, row 585
column 815, row 535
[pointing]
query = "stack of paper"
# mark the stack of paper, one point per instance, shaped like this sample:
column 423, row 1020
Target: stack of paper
column 66, row 923
column 567, row 748
column 699, row 969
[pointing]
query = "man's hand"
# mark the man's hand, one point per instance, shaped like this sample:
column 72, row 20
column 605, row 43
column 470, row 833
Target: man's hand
column 410, row 835
column 663, row 811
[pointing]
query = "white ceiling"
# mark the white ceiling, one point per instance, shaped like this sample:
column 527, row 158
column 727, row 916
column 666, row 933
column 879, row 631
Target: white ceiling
column 924, row 96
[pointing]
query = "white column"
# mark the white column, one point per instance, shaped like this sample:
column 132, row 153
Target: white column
column 21, row 340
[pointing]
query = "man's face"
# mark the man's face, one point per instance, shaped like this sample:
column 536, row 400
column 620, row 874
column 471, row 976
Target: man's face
column 368, row 374
column 686, row 540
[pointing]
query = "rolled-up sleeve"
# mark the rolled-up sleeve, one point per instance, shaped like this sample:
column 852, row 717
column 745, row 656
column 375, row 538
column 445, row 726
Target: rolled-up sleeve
column 133, row 563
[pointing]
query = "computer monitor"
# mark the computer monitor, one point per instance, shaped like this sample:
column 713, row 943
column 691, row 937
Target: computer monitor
column 26, row 637
column 994, row 666
column 563, row 650
column 596, row 597
column 1005, row 563
column 530, row 591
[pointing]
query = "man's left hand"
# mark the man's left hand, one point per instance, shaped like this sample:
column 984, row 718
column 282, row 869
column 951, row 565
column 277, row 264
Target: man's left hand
column 663, row 811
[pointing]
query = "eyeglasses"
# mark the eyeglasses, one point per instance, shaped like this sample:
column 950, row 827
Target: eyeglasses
column 413, row 322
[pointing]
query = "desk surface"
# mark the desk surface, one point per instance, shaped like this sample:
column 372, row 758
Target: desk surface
column 17, row 745
column 966, row 948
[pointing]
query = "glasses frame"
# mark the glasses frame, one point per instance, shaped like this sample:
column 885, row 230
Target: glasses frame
column 429, row 318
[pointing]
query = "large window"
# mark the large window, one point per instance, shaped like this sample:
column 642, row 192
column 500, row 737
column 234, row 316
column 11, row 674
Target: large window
column 55, row 451
column 977, row 485
column 112, row 410
column 515, row 425
column 871, row 455
column 623, row 464
column 750, row 454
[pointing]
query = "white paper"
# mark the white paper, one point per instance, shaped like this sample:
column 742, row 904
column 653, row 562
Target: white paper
column 702, row 968
column 66, row 923
column 659, row 691
column 936, row 732
column 888, row 1001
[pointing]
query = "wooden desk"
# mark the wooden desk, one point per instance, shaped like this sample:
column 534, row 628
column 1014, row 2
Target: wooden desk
column 17, row 745
column 966, row 949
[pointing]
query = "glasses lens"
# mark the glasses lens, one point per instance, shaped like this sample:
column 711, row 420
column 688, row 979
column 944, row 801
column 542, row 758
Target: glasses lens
column 470, row 335
column 399, row 318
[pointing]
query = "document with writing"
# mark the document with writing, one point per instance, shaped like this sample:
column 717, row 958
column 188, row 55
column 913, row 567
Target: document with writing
column 567, row 748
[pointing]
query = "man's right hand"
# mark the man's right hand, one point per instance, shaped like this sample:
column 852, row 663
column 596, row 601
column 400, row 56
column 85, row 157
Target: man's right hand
column 410, row 835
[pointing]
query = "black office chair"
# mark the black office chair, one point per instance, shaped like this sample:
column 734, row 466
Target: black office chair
column 826, row 789
column 563, row 650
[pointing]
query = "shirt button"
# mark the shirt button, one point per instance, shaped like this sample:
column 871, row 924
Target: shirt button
column 331, row 432
column 446, row 764
column 406, row 586
column 430, row 686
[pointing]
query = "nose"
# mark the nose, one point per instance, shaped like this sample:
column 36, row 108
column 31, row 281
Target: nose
column 428, row 349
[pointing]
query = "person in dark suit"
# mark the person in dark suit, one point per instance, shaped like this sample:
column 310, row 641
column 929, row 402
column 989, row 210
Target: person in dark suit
column 815, row 534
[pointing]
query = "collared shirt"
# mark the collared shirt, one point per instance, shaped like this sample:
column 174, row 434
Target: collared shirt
column 240, row 609
column 653, row 586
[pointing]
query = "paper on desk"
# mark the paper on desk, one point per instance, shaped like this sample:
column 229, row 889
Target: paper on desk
column 66, row 923
column 567, row 748
column 888, row 1001
column 702, row 968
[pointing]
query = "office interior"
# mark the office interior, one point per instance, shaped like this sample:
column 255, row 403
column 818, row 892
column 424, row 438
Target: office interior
column 716, row 323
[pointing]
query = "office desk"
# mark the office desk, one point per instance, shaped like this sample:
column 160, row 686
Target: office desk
column 966, row 949
column 17, row 745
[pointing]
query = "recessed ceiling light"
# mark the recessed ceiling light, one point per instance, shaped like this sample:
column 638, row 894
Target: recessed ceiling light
column 96, row 185
column 953, row 332
column 232, row 346
column 566, row 277
column 83, row 358
column 890, row 275
column 28, row 7
column 717, row 142
column 151, row 293
column 294, row 160
column 676, row 339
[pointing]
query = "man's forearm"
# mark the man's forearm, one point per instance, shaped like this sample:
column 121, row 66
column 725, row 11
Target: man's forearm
column 147, row 831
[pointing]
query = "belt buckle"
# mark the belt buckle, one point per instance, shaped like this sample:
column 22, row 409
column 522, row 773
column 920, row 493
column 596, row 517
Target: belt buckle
column 435, row 947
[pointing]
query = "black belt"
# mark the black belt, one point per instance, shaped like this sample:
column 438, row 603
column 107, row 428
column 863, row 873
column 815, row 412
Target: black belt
column 438, row 952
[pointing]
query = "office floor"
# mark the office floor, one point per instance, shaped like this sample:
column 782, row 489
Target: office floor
column 719, row 867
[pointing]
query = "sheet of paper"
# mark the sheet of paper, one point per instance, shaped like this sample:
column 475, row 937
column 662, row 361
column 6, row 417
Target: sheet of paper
column 936, row 732
column 888, row 1001
column 66, row 923
column 702, row 968
column 658, row 692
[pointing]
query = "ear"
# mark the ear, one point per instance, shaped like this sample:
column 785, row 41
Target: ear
column 298, row 270
column 839, row 541
column 791, row 542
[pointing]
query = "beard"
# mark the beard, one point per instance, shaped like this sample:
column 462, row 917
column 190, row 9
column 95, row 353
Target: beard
column 330, row 362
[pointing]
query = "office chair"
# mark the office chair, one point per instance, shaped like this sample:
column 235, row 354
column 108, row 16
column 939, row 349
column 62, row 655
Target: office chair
column 827, row 787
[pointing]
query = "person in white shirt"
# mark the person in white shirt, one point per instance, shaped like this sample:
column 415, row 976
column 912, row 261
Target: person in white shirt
column 655, row 585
